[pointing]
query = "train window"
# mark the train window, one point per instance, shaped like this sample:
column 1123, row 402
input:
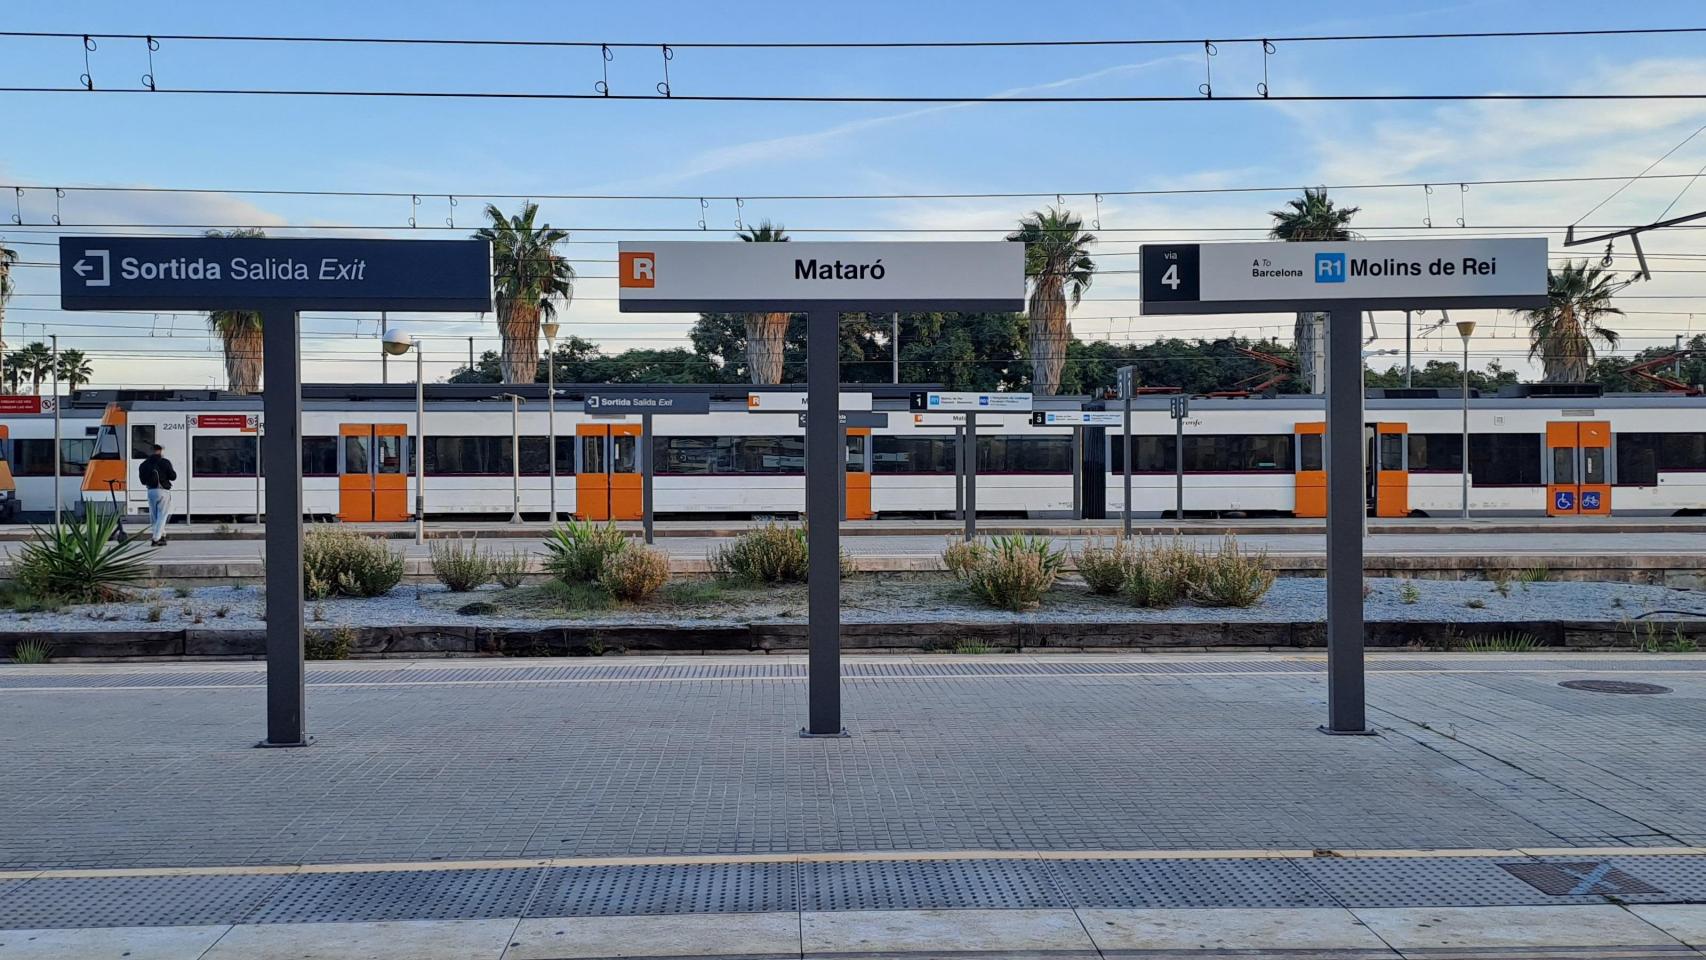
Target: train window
column 106, row 442
column 1002, row 454
column 319, row 456
column 592, row 454
column 1436, row 452
column 1640, row 456
column 1593, row 464
column 534, row 462
column 565, row 456
column 1391, row 451
column 626, row 458
column 34, row 458
column 1505, row 459
column 912, row 454
column 1563, row 464
column 222, row 456
column 390, row 454
column 1311, row 452
column 729, row 455
column 141, row 440
column 483, row 456
column 856, row 453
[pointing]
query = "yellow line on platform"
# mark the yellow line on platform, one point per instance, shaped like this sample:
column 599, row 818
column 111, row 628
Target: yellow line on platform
column 846, row 857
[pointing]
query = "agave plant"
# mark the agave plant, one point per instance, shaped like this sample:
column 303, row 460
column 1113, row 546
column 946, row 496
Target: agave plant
column 80, row 560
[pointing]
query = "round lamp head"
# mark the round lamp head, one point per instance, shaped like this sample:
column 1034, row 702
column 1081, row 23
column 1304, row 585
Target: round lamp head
column 1465, row 328
column 397, row 342
column 549, row 328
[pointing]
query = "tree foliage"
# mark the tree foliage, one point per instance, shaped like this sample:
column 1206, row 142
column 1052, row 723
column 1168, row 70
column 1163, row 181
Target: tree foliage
column 529, row 279
column 1058, row 263
column 239, row 333
column 1563, row 334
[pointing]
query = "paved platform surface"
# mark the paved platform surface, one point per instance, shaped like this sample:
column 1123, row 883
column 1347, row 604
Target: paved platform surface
column 1047, row 806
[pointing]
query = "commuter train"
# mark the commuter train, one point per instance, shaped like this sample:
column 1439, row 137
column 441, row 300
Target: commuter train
column 1529, row 454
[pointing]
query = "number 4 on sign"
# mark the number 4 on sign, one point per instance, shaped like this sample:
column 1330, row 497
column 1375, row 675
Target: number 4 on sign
column 1171, row 277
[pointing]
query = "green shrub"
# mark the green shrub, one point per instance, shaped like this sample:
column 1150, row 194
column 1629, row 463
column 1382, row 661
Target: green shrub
column 1160, row 576
column 15, row 596
column 79, row 561
column 1409, row 593
column 31, row 651
column 1015, row 571
column 1513, row 641
column 970, row 648
column 509, row 569
column 1230, row 577
column 340, row 561
column 1106, row 567
column 577, row 550
column 960, row 556
column 1475, row 603
column 1539, row 573
column 635, row 573
column 331, row 644
column 460, row 564
column 773, row 553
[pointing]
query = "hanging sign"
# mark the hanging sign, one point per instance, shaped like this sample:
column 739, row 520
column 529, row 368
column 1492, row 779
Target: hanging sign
column 1076, row 418
column 971, row 402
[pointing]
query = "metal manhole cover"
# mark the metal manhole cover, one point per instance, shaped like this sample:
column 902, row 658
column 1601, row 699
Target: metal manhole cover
column 1577, row 879
column 1614, row 686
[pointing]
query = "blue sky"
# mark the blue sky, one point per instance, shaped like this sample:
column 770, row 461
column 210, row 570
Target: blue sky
column 443, row 147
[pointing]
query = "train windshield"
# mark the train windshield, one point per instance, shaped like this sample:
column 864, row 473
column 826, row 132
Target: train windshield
column 106, row 443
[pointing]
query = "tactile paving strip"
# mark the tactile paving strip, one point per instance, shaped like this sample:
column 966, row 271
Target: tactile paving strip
column 133, row 901
column 401, row 895
column 1425, row 882
column 666, row 889
column 928, row 885
column 1246, row 883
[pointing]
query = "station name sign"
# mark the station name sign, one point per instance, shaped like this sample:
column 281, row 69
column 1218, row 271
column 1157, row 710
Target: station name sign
column 1382, row 274
column 736, row 275
column 877, row 420
column 672, row 403
column 1077, row 418
column 232, row 273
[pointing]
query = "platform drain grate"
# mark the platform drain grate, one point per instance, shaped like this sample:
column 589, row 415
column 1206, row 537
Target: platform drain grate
column 1614, row 686
column 401, row 895
column 928, row 885
column 666, row 889
column 1160, row 883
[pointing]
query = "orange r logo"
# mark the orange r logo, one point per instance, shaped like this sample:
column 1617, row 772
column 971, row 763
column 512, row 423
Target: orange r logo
column 637, row 270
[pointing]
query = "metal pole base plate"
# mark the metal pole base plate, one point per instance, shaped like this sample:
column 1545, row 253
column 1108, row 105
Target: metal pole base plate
column 808, row 735
column 1370, row 732
column 269, row 745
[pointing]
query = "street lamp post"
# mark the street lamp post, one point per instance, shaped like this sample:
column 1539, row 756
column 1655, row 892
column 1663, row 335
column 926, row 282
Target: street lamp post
column 58, row 448
column 515, row 453
column 549, row 328
column 1464, row 329
column 395, row 344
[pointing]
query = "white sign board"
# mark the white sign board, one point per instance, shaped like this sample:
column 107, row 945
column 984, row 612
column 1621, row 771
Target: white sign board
column 938, row 419
column 972, row 402
column 1077, row 418
column 736, row 275
column 795, row 402
column 1386, row 274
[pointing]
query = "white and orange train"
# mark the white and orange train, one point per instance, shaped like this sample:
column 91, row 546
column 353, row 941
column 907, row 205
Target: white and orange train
column 1528, row 455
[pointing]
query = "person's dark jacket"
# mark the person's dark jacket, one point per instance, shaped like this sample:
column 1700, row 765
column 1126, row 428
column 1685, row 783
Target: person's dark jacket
column 156, row 471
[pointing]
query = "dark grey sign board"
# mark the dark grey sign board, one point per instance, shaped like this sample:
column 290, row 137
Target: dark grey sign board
column 858, row 418
column 661, row 403
column 248, row 273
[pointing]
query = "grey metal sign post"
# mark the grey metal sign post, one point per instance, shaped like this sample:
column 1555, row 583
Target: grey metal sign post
column 823, row 281
column 1343, row 280
column 969, row 404
column 1127, row 385
column 647, row 405
column 1179, row 409
column 280, row 278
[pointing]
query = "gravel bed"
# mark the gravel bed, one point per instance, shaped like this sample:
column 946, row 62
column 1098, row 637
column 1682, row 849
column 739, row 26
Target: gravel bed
column 891, row 599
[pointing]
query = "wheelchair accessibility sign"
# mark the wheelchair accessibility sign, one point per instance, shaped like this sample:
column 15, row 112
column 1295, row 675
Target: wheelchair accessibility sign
column 1565, row 500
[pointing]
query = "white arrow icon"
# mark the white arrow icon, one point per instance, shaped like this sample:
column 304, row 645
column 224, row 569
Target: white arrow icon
column 101, row 279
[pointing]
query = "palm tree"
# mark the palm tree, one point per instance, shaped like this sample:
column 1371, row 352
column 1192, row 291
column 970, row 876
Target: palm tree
column 240, row 334
column 529, row 277
column 8, row 257
column 74, row 368
column 1562, row 333
column 1312, row 218
column 34, row 361
column 1056, row 258
column 766, row 333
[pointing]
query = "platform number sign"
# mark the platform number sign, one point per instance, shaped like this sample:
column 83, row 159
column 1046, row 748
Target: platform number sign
column 1564, row 500
column 1590, row 499
column 1171, row 272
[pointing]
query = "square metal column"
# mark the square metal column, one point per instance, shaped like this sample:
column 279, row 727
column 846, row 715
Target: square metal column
column 1346, row 506
column 282, row 459
column 825, row 472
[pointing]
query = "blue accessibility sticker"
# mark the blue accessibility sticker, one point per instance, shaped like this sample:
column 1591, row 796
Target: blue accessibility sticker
column 1564, row 500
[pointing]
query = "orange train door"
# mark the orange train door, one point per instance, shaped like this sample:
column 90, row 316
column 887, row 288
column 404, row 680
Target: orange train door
column 858, row 474
column 1391, row 470
column 373, row 482
column 1311, row 476
column 607, row 475
column 1578, row 480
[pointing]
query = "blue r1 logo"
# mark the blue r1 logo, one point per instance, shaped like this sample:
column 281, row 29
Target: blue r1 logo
column 1564, row 500
column 1329, row 268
